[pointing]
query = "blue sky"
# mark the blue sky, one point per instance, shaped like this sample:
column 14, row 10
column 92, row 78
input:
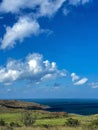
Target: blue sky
column 48, row 49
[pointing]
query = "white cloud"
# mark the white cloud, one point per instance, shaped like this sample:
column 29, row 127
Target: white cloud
column 93, row 84
column 26, row 26
column 23, row 28
column 12, row 5
column 33, row 69
column 9, row 75
column 81, row 82
column 46, row 7
column 77, row 81
column 73, row 3
column 77, row 2
column 47, row 76
column 74, row 77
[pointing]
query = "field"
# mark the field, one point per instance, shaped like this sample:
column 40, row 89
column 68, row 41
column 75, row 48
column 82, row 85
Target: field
column 44, row 120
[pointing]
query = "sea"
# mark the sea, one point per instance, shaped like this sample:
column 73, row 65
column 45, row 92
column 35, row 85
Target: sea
column 76, row 106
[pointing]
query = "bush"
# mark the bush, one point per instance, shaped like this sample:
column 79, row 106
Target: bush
column 2, row 122
column 46, row 126
column 94, row 123
column 72, row 122
column 13, row 124
column 27, row 118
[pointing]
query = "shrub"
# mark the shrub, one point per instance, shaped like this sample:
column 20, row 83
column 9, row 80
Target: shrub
column 46, row 126
column 94, row 123
column 2, row 122
column 27, row 118
column 72, row 122
column 13, row 124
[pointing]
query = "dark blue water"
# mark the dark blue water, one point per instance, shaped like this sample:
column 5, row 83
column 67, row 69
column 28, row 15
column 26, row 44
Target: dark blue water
column 77, row 106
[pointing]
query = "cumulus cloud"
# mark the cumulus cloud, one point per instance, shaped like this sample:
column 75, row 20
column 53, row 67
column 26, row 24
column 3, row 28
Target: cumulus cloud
column 74, row 77
column 9, row 75
column 81, row 82
column 33, row 69
column 23, row 28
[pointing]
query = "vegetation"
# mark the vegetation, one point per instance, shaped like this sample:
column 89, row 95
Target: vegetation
column 43, row 120
column 27, row 118
column 2, row 122
column 24, row 119
column 72, row 122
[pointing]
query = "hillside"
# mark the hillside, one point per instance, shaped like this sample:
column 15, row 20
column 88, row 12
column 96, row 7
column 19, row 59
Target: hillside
column 14, row 115
column 16, row 104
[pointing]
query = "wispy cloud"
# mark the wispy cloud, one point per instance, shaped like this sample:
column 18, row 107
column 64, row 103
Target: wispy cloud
column 27, row 25
column 93, row 84
column 46, row 7
column 24, row 27
column 77, row 2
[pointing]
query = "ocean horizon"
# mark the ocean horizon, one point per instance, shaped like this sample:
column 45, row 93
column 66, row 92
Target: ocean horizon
column 76, row 106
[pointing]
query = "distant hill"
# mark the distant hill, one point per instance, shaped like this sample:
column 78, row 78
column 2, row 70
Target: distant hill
column 17, row 104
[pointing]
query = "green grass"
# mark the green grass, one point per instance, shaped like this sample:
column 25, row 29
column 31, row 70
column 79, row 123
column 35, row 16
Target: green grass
column 40, row 121
column 46, row 119
column 50, row 122
column 10, row 117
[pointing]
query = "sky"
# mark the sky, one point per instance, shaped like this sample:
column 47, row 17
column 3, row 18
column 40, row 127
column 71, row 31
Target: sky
column 48, row 49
